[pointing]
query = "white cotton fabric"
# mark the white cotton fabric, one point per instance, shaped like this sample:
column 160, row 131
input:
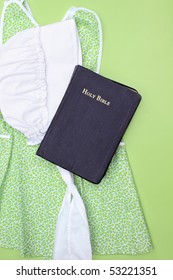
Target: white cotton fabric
column 35, row 69
column 72, row 237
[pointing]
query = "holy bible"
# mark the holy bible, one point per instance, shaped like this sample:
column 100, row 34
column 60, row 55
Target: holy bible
column 89, row 124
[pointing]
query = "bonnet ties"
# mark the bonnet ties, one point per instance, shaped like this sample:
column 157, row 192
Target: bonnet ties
column 72, row 237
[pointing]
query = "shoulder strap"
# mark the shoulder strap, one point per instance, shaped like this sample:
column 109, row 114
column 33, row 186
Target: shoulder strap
column 90, row 34
column 16, row 17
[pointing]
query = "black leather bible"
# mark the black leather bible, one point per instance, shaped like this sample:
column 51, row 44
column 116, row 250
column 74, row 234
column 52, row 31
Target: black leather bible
column 89, row 124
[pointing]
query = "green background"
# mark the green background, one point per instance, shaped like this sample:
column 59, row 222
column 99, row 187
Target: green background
column 137, row 51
